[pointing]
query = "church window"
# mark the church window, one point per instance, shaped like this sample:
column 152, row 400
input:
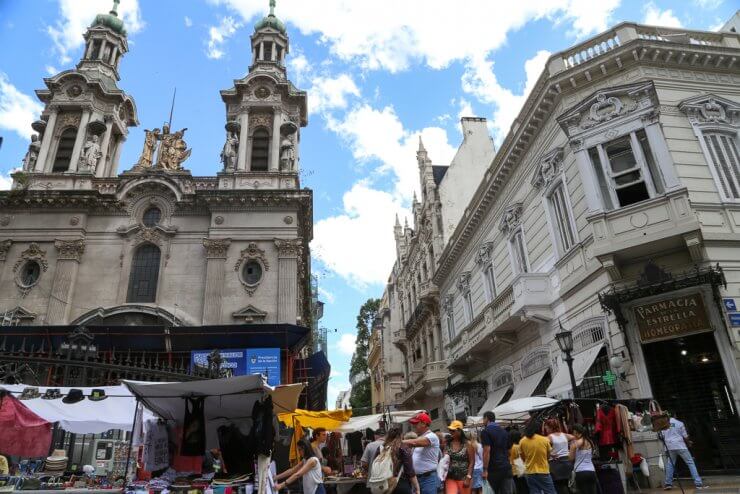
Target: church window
column 64, row 150
column 260, row 148
column 252, row 273
column 151, row 217
column 30, row 273
column 142, row 285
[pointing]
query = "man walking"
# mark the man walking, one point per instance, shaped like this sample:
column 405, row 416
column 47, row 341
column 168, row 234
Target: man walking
column 371, row 451
column 426, row 453
column 496, row 465
column 676, row 438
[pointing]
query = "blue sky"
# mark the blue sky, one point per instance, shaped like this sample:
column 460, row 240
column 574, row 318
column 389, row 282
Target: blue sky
column 378, row 74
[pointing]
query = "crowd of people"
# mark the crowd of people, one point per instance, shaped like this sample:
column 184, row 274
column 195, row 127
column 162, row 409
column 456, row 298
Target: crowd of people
column 541, row 459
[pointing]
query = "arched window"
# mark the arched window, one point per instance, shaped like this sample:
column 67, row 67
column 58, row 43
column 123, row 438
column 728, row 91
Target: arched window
column 64, row 150
column 260, row 147
column 142, row 282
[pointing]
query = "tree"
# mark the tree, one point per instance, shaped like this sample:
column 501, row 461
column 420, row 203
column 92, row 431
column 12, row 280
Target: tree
column 359, row 373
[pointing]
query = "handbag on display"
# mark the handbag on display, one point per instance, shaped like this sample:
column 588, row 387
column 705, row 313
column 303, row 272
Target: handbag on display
column 660, row 420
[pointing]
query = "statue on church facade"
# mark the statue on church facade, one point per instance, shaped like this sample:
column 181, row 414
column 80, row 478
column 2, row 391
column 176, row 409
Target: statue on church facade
column 172, row 150
column 90, row 155
column 228, row 154
column 287, row 155
column 29, row 161
column 147, row 154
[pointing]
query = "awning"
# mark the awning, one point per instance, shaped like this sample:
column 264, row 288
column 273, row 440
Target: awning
column 582, row 362
column 493, row 400
column 517, row 409
column 373, row 421
column 526, row 386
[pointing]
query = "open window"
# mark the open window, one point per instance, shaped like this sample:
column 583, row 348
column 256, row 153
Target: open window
column 66, row 144
column 260, row 149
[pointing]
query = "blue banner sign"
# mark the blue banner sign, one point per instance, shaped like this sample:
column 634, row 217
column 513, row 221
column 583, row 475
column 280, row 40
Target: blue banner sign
column 234, row 361
column 730, row 305
column 735, row 320
column 241, row 362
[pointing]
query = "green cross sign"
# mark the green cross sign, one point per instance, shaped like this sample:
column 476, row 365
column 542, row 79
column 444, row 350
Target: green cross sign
column 609, row 378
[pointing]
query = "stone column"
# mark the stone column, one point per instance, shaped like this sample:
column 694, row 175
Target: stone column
column 424, row 349
column 101, row 53
column 241, row 156
column 216, row 250
column 273, row 53
column 277, row 121
column 662, row 154
column 113, row 55
column 262, row 50
column 591, row 188
column 46, row 141
column 112, row 169
column 79, row 140
column 69, row 253
column 4, row 248
column 289, row 254
column 102, row 165
column 436, row 343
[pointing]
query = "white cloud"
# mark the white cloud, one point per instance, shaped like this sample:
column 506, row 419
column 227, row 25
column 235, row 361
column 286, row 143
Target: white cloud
column 326, row 296
column 346, row 343
column 466, row 109
column 188, row 21
column 708, row 4
column 335, row 373
column 298, row 67
column 51, row 70
column 656, row 17
column 331, row 93
column 219, row 34
column 6, row 180
column 76, row 17
column 17, row 110
column 480, row 80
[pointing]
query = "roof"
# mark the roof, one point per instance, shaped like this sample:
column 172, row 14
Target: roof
column 439, row 173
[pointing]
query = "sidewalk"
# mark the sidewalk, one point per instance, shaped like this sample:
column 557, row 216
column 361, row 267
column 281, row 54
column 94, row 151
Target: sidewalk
column 725, row 484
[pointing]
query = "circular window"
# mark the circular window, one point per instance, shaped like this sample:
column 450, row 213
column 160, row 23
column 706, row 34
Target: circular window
column 252, row 273
column 30, row 273
column 151, row 217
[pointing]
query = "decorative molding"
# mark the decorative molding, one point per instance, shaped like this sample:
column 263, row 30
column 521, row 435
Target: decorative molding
column 711, row 109
column 150, row 235
column 19, row 314
column 463, row 282
column 216, row 248
column 694, row 245
column 289, row 247
column 550, row 167
column 448, row 304
column 33, row 253
column 249, row 314
column 260, row 120
column 483, row 256
column 4, row 248
column 609, row 263
column 511, row 218
column 70, row 250
column 251, row 253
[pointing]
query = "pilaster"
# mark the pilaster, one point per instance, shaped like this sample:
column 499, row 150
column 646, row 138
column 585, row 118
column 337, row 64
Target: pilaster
column 46, row 140
column 4, row 248
column 289, row 252
column 277, row 120
column 80, row 140
column 69, row 253
column 216, row 253
column 241, row 156
column 100, row 171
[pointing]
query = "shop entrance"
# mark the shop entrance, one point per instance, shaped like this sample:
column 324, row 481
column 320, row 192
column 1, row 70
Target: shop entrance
column 687, row 378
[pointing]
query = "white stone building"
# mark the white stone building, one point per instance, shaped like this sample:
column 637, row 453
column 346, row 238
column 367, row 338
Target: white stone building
column 612, row 209
column 88, row 240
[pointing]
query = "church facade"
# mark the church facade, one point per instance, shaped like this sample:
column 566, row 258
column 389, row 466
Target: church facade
column 86, row 240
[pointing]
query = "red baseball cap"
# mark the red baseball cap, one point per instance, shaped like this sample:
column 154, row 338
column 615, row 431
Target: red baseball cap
column 421, row 417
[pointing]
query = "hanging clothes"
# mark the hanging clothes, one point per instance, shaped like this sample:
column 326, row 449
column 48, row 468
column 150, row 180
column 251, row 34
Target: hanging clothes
column 336, row 455
column 237, row 450
column 606, row 425
column 156, row 453
column 181, row 462
column 354, row 439
column 194, row 428
column 22, row 432
column 263, row 427
column 623, row 419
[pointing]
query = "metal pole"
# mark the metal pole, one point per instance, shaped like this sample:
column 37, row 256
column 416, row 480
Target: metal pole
column 131, row 442
column 569, row 361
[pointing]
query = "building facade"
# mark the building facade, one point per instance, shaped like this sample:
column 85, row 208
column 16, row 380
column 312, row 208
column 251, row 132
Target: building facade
column 86, row 240
column 411, row 370
column 610, row 210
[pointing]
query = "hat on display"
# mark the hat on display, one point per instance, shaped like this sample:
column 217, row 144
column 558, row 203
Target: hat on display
column 421, row 417
column 57, row 462
column 52, row 394
column 29, row 393
column 455, row 425
column 97, row 395
column 73, row 396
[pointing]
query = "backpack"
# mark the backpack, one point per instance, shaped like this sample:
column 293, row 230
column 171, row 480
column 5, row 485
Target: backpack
column 382, row 480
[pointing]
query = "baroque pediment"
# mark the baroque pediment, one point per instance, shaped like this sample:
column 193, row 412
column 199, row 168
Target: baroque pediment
column 606, row 105
column 711, row 109
column 249, row 314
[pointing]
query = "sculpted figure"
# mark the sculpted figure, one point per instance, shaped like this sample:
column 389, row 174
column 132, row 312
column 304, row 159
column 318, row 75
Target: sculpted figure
column 173, row 150
column 228, row 154
column 91, row 154
column 150, row 142
column 287, row 155
column 29, row 161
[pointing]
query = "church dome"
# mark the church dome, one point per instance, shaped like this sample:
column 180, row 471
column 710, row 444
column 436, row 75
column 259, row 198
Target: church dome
column 270, row 21
column 110, row 20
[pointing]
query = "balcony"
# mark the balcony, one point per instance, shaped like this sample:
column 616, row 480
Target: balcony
column 428, row 291
column 435, row 377
column 398, row 338
column 643, row 229
column 533, row 294
column 375, row 348
column 428, row 380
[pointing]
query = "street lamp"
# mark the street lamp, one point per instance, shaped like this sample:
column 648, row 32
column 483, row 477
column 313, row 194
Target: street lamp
column 565, row 342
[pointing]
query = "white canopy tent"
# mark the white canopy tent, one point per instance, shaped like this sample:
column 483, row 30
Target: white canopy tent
column 373, row 421
column 517, row 409
column 494, row 399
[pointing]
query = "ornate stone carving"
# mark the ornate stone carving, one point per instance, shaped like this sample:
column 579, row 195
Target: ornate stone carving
column 70, row 250
column 147, row 154
column 74, row 220
column 262, row 92
column 90, row 155
column 228, row 153
column 219, row 220
column 463, row 282
column 5, row 220
column 287, row 154
column 251, row 253
column 250, row 314
column 483, row 256
column 289, row 247
column 68, row 120
column 548, row 169
column 288, row 220
column 150, row 235
column 711, row 109
column 4, row 248
column 448, row 303
column 216, row 248
column 512, row 218
column 33, row 253
column 29, row 161
column 260, row 120
column 74, row 91
column 173, row 149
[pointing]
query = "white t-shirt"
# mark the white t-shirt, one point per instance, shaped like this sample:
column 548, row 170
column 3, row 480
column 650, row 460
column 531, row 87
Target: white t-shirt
column 675, row 434
column 478, row 457
column 313, row 477
column 426, row 459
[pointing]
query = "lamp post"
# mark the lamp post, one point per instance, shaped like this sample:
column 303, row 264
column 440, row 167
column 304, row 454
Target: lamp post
column 565, row 342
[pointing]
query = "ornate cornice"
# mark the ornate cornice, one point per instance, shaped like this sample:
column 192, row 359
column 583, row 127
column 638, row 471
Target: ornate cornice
column 70, row 250
column 289, row 247
column 150, row 235
column 4, row 248
column 711, row 109
column 548, row 169
column 216, row 248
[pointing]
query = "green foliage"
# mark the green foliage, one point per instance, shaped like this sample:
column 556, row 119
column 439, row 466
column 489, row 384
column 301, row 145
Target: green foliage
column 360, row 396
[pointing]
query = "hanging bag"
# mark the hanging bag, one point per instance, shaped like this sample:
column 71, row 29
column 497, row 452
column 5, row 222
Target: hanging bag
column 660, row 419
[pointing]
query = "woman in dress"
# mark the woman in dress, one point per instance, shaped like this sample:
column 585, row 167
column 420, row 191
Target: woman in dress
column 462, row 461
column 309, row 470
column 581, row 454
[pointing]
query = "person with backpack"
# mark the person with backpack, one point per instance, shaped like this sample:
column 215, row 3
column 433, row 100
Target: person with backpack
column 371, row 452
column 393, row 467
